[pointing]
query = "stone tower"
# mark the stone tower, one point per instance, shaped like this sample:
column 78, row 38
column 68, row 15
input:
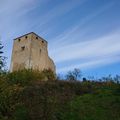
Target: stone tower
column 30, row 51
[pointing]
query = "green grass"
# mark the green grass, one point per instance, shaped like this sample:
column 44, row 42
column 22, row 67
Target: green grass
column 105, row 105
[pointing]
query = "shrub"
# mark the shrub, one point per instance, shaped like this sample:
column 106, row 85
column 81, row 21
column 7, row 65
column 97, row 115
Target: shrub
column 25, row 77
column 21, row 113
column 48, row 74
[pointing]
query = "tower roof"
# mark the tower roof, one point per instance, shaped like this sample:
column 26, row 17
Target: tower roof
column 30, row 33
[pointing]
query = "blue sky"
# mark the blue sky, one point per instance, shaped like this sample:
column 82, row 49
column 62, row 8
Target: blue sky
column 81, row 34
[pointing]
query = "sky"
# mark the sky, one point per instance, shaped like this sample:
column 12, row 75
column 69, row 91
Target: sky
column 82, row 34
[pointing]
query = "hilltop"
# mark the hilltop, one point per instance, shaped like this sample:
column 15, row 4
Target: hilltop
column 25, row 97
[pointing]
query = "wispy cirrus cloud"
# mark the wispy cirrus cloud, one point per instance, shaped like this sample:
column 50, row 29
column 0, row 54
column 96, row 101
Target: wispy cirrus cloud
column 78, row 30
column 94, row 63
column 107, row 45
column 69, row 45
column 104, row 50
column 55, row 12
column 12, row 15
column 15, row 14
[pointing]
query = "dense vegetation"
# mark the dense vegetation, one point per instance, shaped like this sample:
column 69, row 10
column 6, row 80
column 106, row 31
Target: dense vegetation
column 24, row 96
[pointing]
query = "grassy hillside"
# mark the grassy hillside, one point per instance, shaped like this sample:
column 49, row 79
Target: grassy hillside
column 105, row 105
column 23, row 96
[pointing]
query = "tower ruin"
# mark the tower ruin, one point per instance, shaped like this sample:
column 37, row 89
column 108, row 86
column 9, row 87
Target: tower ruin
column 30, row 52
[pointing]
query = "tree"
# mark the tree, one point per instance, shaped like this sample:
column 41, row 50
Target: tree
column 2, row 58
column 117, row 79
column 74, row 75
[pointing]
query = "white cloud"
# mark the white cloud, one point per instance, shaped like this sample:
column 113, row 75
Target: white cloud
column 56, row 12
column 78, row 30
column 91, row 64
column 102, row 51
column 12, row 15
column 95, row 52
column 104, row 46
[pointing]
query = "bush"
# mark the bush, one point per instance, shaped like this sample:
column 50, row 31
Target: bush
column 21, row 113
column 48, row 74
column 24, row 77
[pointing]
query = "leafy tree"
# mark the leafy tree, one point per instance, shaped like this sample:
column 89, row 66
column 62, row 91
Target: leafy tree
column 117, row 79
column 2, row 58
column 73, row 75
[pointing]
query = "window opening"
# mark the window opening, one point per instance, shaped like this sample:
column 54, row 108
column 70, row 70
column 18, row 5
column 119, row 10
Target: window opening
column 23, row 48
column 36, row 37
column 19, row 39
